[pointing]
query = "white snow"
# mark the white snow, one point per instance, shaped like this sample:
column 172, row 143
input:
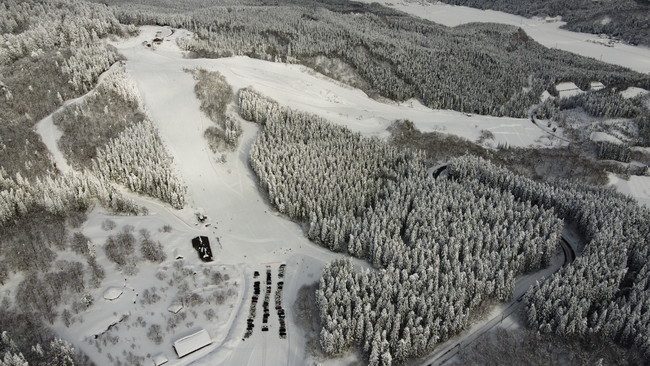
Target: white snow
column 633, row 92
column 546, row 33
column 302, row 88
column 568, row 89
column 112, row 293
column 192, row 342
column 604, row 137
column 637, row 187
column 247, row 233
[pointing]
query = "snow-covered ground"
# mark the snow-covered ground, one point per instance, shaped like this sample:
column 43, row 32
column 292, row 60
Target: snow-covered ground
column 637, row 187
column 633, row 92
column 546, row 33
column 246, row 234
column 302, row 88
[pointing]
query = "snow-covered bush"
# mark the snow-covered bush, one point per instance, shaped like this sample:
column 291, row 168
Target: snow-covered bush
column 215, row 94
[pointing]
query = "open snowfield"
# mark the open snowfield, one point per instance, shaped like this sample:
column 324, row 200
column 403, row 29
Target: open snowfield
column 637, row 187
column 245, row 232
column 302, row 88
column 546, row 33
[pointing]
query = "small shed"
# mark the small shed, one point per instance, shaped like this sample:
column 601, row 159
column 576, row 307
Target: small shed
column 192, row 343
column 160, row 359
column 157, row 40
column 202, row 246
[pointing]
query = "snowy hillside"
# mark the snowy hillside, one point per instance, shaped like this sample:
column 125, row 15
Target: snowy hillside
column 287, row 201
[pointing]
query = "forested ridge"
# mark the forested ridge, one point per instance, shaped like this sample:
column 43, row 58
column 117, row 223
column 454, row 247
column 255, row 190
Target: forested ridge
column 445, row 248
column 387, row 53
column 628, row 20
column 606, row 291
column 52, row 51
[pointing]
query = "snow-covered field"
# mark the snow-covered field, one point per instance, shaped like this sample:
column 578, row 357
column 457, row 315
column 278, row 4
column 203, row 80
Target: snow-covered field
column 637, row 187
column 546, row 33
column 302, row 88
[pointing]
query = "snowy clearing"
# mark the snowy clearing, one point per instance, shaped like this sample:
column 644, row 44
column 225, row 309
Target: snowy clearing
column 303, row 89
column 633, row 92
column 546, row 33
column 637, row 187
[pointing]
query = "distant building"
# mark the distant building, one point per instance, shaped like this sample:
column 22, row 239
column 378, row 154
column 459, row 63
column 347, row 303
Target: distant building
column 157, row 40
column 192, row 343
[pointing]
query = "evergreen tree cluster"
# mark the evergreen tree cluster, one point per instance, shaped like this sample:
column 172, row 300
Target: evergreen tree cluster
column 612, row 151
column 109, row 133
column 215, row 94
column 71, row 192
column 100, row 117
column 606, row 291
column 50, row 51
column 138, row 159
column 605, row 103
column 441, row 248
column 50, row 351
column 396, row 56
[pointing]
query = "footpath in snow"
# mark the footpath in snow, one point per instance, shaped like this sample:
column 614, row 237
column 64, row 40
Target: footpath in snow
column 251, row 235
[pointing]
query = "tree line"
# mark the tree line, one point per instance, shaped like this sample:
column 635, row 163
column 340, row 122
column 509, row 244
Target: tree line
column 441, row 249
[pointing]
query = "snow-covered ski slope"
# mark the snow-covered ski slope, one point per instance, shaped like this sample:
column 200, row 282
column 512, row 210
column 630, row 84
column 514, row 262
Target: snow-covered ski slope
column 302, row 88
column 547, row 33
column 250, row 234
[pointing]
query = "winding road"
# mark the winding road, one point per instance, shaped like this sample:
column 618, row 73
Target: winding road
column 448, row 350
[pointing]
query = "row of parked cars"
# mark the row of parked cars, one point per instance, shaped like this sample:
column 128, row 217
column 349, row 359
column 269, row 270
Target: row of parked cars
column 278, row 302
column 257, row 289
column 250, row 322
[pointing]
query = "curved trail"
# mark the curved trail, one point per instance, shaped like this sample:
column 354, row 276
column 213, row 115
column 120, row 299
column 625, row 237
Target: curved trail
column 448, row 350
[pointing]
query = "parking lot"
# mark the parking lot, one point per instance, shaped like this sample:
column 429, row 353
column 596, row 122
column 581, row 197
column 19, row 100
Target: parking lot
column 266, row 301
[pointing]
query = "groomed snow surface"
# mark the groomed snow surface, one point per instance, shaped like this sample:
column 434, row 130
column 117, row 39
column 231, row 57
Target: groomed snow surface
column 245, row 233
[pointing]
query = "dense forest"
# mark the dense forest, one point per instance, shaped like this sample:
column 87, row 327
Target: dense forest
column 605, row 293
column 441, row 249
column 628, row 20
column 384, row 52
column 445, row 248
